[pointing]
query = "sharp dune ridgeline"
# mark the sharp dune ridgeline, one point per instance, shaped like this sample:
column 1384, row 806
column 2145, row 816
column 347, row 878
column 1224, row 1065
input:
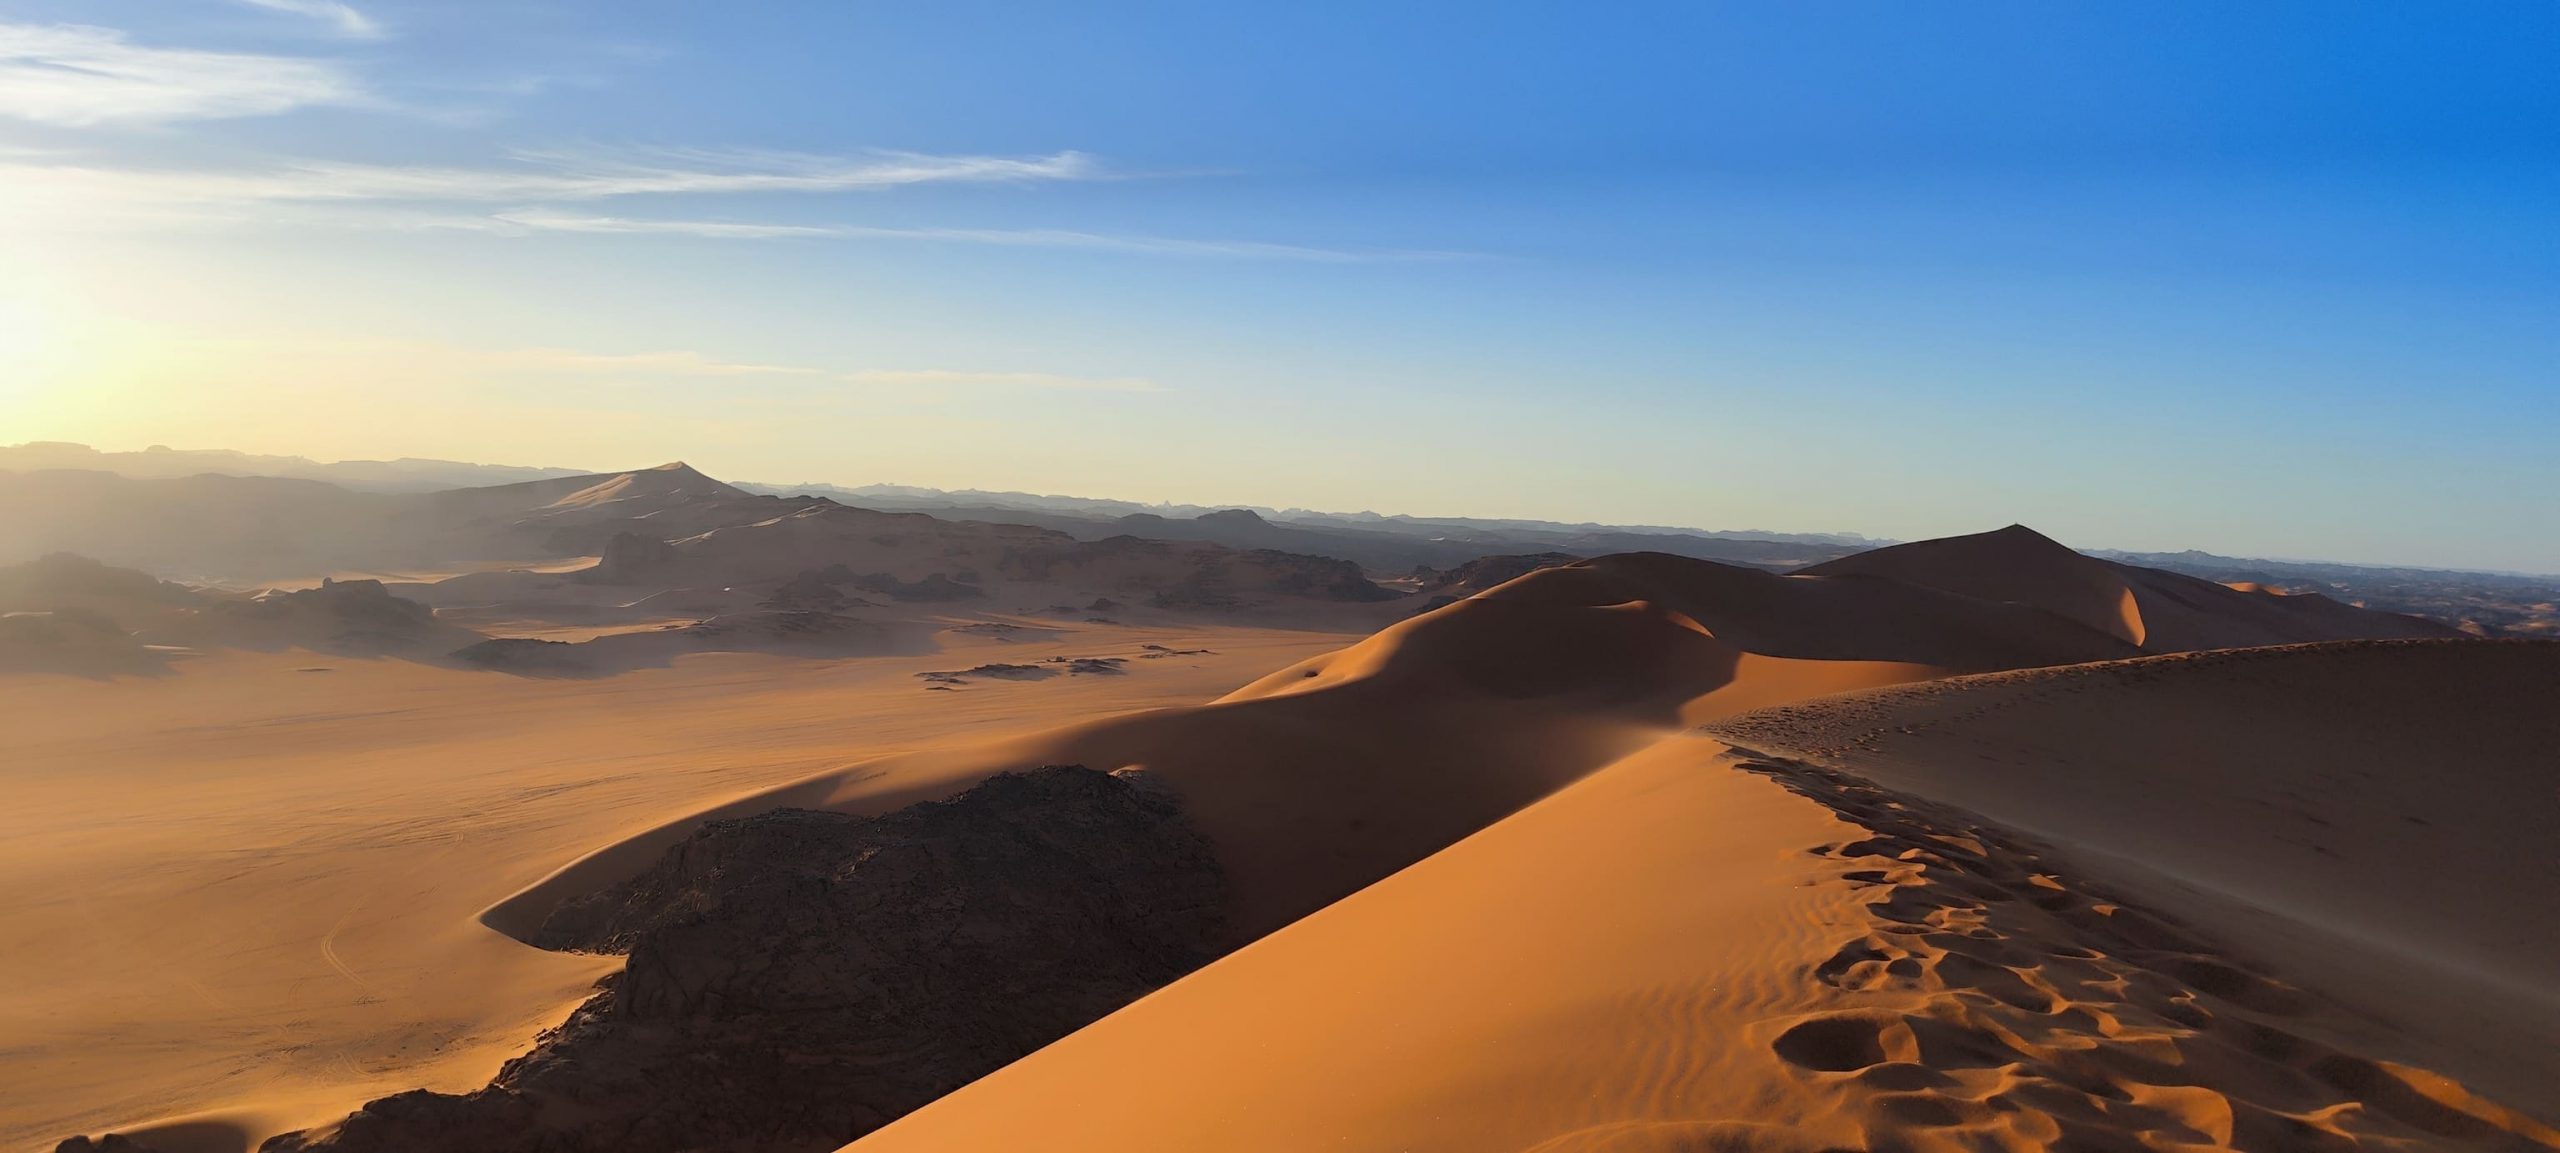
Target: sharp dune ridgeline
column 890, row 831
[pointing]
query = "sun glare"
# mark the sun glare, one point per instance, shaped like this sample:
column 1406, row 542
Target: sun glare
column 27, row 342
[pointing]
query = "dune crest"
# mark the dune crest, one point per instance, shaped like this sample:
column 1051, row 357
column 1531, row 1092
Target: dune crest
column 2375, row 816
column 1326, row 775
column 2153, row 609
column 1695, row 949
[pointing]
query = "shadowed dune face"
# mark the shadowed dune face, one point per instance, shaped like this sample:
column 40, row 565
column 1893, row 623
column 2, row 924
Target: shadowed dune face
column 2153, row 609
column 2014, row 564
column 2022, row 1005
column 2376, row 815
column 1817, row 618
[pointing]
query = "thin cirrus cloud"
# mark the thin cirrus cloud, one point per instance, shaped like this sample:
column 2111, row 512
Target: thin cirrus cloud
column 79, row 76
column 550, row 176
column 342, row 17
column 543, row 221
column 412, row 197
column 694, row 364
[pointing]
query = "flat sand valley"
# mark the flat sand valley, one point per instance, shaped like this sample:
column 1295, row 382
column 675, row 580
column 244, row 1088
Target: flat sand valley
column 256, row 880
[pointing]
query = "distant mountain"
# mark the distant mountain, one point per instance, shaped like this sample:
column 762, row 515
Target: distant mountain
column 1464, row 525
column 407, row 474
column 214, row 527
column 1378, row 542
column 2482, row 603
column 668, row 529
column 223, row 515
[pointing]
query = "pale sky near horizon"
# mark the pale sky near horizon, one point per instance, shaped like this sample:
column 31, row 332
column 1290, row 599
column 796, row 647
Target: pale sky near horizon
column 2259, row 279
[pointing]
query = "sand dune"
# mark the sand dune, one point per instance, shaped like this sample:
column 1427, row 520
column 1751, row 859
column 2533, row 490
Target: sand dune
column 2375, row 816
column 1568, row 966
column 2297, row 906
column 1678, row 955
column 1319, row 779
column 1324, row 776
column 2157, row 610
column 651, row 489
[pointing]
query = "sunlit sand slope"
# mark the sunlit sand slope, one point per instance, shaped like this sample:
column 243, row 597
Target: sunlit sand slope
column 1692, row 951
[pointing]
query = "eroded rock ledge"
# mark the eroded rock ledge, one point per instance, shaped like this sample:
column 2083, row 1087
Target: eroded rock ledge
column 799, row 978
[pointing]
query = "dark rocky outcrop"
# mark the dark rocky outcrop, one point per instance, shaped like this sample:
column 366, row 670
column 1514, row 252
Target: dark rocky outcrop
column 1484, row 572
column 60, row 580
column 111, row 1143
column 339, row 616
column 813, row 589
column 799, row 978
column 934, row 588
column 1320, row 577
column 630, row 556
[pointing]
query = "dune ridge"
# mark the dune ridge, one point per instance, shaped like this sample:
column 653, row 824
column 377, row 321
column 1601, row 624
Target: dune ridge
column 2154, row 609
column 1699, row 948
column 1323, row 776
column 2374, row 815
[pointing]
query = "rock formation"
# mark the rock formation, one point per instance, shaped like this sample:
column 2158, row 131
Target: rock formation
column 799, row 978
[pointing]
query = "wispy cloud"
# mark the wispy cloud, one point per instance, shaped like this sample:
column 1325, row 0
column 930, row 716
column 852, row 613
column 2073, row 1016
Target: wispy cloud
column 944, row 376
column 345, row 19
column 81, row 76
column 543, row 220
column 550, row 221
column 672, row 363
column 549, row 185
column 553, row 177
column 694, row 364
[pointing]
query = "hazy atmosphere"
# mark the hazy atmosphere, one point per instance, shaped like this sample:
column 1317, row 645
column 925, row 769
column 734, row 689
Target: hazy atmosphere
column 2269, row 281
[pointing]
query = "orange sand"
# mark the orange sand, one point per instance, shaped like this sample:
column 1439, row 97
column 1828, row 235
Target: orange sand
column 1674, row 955
column 252, row 887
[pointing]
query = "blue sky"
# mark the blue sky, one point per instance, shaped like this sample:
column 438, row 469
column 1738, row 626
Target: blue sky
column 2260, row 279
